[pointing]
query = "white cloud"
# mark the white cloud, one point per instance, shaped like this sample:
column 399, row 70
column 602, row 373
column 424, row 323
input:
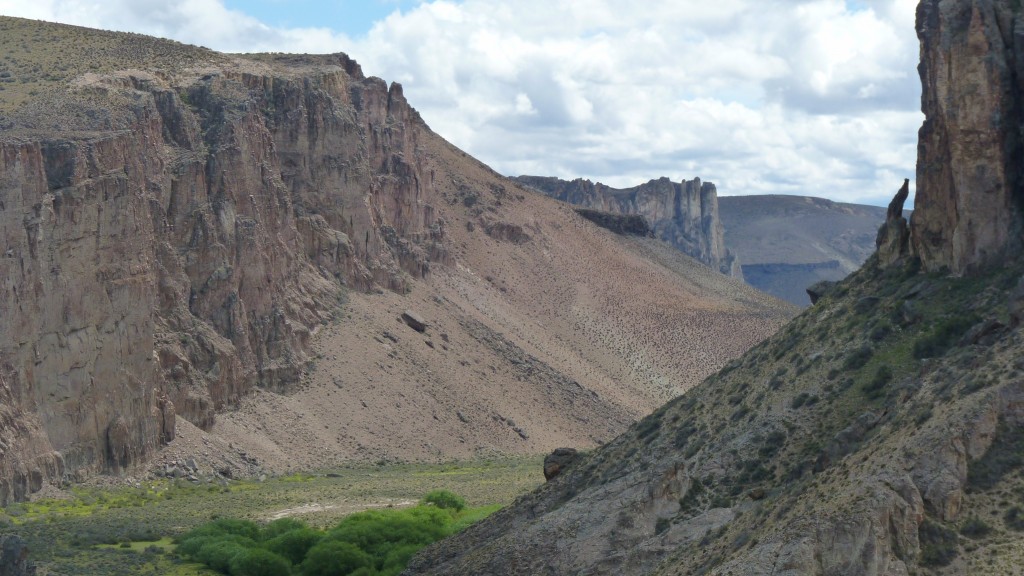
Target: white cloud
column 759, row 96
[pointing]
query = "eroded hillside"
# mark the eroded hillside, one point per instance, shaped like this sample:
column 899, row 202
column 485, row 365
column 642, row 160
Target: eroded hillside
column 206, row 256
column 877, row 433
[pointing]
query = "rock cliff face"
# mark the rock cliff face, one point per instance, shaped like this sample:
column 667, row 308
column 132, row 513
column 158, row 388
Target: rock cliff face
column 967, row 212
column 683, row 214
column 171, row 240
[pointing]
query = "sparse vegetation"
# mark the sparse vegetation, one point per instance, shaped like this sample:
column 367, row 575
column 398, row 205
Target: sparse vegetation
column 939, row 544
column 940, row 338
column 1005, row 455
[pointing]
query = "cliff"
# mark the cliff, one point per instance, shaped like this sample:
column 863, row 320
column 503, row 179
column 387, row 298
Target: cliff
column 683, row 214
column 967, row 212
column 172, row 237
column 877, row 433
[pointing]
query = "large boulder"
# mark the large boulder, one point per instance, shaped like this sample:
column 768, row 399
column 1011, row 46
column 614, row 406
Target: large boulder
column 14, row 557
column 556, row 462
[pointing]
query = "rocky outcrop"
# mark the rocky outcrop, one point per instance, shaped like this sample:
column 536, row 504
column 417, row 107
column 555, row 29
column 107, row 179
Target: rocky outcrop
column 967, row 211
column 866, row 460
column 175, row 241
column 683, row 214
column 556, row 462
column 893, row 241
column 14, row 557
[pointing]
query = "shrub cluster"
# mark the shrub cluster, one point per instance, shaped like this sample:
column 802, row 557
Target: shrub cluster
column 370, row 543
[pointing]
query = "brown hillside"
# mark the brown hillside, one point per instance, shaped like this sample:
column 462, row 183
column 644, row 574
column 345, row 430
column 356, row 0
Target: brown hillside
column 213, row 252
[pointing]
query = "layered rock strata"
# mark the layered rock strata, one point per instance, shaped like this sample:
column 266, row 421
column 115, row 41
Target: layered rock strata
column 684, row 214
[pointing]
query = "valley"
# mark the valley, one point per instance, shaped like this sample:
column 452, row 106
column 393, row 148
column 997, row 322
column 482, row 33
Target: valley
column 257, row 318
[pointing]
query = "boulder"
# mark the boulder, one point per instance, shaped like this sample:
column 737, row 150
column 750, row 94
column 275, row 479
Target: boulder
column 414, row 321
column 556, row 462
column 818, row 290
column 14, row 557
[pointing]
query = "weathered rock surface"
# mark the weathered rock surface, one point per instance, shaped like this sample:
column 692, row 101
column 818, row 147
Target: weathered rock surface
column 683, row 214
column 173, row 239
column 556, row 462
column 634, row 224
column 187, row 235
column 818, row 290
column 14, row 557
column 967, row 212
column 893, row 241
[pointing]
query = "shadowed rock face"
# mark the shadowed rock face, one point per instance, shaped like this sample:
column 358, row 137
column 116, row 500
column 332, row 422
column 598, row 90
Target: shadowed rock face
column 174, row 245
column 683, row 214
column 967, row 212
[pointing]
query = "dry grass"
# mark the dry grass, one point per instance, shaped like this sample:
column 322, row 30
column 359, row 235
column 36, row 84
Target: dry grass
column 39, row 58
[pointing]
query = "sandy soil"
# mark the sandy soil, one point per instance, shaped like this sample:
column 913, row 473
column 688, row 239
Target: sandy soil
column 563, row 339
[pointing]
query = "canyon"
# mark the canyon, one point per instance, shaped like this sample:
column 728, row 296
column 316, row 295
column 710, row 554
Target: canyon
column 207, row 257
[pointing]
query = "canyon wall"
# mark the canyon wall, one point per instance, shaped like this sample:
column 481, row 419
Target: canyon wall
column 967, row 211
column 172, row 240
column 683, row 214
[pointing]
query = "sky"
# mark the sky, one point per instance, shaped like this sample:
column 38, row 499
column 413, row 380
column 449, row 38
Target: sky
column 808, row 97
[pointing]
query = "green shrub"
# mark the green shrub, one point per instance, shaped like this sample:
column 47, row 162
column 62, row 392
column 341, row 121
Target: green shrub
column 378, row 531
column 335, row 558
column 858, row 358
column 975, row 528
column 936, row 342
column 280, row 526
column 804, row 399
column 1014, row 519
column 219, row 553
column 875, row 389
column 191, row 546
column 259, row 562
column 1005, row 455
column 295, row 544
column 222, row 526
column 445, row 500
column 397, row 558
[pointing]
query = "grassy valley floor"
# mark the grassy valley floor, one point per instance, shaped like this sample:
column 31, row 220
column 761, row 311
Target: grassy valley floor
column 128, row 530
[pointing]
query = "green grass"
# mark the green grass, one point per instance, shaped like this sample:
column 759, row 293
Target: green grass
column 84, row 534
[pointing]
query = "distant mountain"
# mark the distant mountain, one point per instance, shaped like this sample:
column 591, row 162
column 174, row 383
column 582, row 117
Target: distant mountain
column 787, row 243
